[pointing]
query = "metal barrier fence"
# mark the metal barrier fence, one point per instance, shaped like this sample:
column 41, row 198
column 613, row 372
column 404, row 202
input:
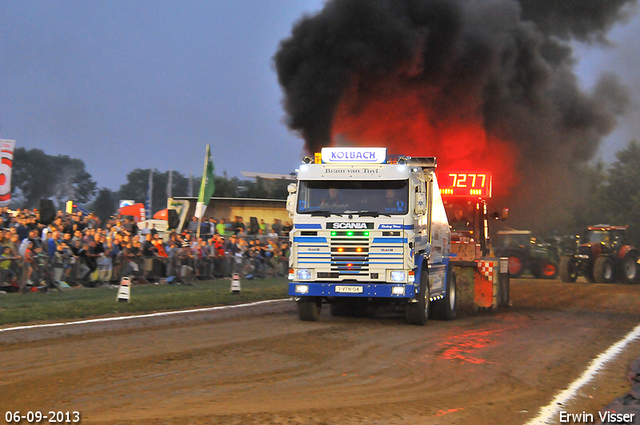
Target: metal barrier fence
column 184, row 266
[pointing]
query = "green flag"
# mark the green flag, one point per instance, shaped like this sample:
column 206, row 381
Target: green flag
column 207, row 187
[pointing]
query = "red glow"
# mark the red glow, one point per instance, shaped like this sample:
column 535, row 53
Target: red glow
column 466, row 346
column 445, row 412
column 416, row 119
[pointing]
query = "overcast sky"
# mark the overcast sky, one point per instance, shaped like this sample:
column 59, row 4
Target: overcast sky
column 622, row 58
column 147, row 84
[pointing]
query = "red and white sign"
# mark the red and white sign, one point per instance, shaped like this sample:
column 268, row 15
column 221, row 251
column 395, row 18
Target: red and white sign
column 6, row 163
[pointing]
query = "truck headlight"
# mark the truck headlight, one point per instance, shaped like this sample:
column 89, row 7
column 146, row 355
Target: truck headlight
column 303, row 274
column 397, row 290
column 398, row 276
column 302, row 289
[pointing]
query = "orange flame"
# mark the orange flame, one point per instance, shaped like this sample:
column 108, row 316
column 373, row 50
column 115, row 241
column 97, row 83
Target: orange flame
column 411, row 118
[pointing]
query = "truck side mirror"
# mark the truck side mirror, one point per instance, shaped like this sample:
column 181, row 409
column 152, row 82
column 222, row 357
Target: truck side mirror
column 291, row 204
column 420, row 204
column 292, row 188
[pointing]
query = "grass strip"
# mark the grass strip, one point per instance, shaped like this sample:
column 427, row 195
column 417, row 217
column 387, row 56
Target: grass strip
column 81, row 303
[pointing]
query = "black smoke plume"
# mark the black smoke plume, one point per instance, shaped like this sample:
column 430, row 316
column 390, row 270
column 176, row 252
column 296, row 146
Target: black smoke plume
column 514, row 56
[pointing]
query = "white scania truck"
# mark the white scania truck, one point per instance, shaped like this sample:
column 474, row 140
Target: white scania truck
column 370, row 230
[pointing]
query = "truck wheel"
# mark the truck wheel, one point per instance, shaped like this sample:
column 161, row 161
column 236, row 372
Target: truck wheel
column 603, row 270
column 417, row 312
column 629, row 267
column 446, row 308
column 516, row 263
column 309, row 309
column 568, row 269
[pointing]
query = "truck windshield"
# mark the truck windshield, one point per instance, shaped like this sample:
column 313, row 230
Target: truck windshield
column 357, row 196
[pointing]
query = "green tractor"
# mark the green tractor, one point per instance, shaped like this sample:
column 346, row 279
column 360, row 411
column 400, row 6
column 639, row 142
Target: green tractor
column 604, row 257
column 527, row 253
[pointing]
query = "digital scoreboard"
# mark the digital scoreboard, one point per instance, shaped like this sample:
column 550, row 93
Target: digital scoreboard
column 465, row 184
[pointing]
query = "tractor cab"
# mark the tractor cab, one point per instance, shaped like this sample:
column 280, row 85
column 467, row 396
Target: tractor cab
column 603, row 239
column 609, row 236
column 514, row 239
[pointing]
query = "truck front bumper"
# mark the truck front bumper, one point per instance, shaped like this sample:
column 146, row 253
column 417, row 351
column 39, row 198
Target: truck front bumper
column 352, row 289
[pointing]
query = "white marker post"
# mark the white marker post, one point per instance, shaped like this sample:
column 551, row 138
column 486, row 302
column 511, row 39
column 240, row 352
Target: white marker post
column 235, row 283
column 124, row 290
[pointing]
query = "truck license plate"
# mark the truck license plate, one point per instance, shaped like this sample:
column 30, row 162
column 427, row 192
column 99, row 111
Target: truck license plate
column 349, row 289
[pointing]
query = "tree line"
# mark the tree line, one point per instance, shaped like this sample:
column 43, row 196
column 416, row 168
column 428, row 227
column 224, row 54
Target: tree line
column 612, row 193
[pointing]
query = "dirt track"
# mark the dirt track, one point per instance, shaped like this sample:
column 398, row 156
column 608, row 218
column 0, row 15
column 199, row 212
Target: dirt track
column 261, row 365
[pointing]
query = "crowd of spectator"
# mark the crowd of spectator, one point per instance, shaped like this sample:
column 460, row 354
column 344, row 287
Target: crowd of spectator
column 78, row 249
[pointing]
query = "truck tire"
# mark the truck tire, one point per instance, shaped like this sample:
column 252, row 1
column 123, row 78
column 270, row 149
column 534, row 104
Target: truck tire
column 568, row 269
column 446, row 308
column 309, row 309
column 516, row 263
column 603, row 270
column 629, row 267
column 417, row 313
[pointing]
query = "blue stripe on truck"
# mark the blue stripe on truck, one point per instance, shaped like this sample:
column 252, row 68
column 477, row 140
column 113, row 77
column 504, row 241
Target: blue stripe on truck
column 389, row 240
column 310, row 239
column 307, row 226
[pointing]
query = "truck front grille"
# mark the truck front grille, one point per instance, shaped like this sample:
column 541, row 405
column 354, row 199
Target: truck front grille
column 350, row 256
column 344, row 257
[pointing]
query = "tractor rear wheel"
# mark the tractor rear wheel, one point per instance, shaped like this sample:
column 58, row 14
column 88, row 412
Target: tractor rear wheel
column 603, row 270
column 516, row 263
column 548, row 269
column 629, row 267
column 568, row 269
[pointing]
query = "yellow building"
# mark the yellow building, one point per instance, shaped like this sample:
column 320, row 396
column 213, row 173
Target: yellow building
column 229, row 208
